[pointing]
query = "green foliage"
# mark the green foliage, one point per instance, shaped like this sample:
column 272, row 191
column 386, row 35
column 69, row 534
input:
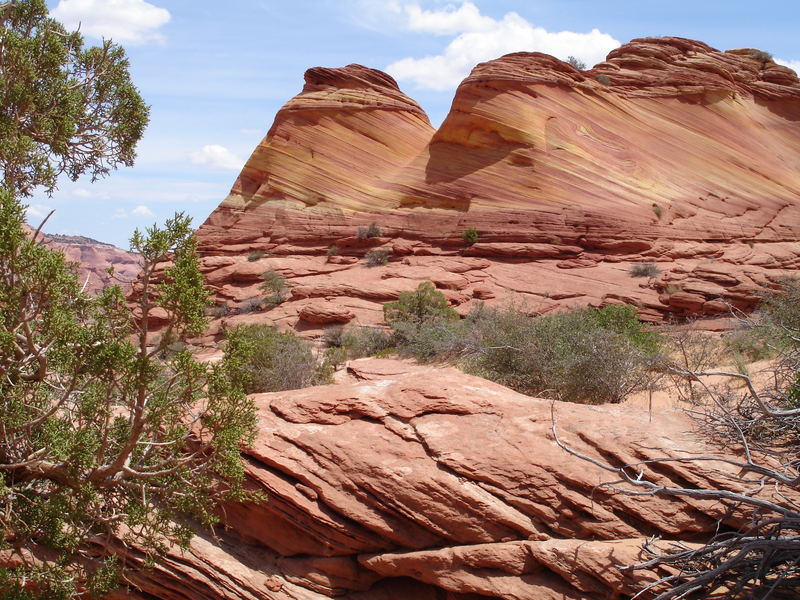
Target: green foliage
column 658, row 210
column 333, row 250
column 365, row 341
column 256, row 255
column 470, row 235
column 100, row 435
column 603, row 79
column 421, row 307
column 376, row 258
column 273, row 361
column 644, row 269
column 274, row 286
column 577, row 63
column 589, row 355
column 762, row 56
column 63, row 108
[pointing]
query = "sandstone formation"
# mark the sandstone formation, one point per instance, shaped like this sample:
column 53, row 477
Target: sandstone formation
column 92, row 260
column 412, row 482
column 669, row 152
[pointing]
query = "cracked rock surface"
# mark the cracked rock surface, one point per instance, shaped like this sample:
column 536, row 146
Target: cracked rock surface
column 423, row 482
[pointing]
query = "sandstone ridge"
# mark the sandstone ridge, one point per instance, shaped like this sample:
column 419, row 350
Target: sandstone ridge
column 669, row 152
column 426, row 483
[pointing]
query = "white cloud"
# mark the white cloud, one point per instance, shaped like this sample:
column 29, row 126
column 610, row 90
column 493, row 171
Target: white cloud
column 84, row 193
column 792, row 64
column 37, row 212
column 449, row 21
column 131, row 21
column 217, row 157
column 482, row 38
column 142, row 211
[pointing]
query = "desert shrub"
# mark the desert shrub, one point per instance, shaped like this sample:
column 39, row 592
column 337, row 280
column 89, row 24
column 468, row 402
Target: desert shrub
column 589, row 355
column 365, row 341
column 470, row 235
column 603, row 79
column 333, row 337
column 333, row 250
column 256, row 255
column 658, row 210
column 376, row 258
column 274, row 286
column 249, row 305
column 644, row 269
column 372, row 231
column 421, row 307
column 690, row 350
column 577, row 63
column 749, row 344
column 218, row 311
column 273, row 361
column 335, row 357
column 762, row 56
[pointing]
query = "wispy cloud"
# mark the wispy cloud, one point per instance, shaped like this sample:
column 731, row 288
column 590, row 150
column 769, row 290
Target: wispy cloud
column 142, row 211
column 36, row 212
column 792, row 64
column 480, row 38
column 124, row 21
column 217, row 157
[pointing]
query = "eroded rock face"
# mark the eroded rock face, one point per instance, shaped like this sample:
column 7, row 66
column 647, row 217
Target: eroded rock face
column 424, row 482
column 92, row 260
column 670, row 151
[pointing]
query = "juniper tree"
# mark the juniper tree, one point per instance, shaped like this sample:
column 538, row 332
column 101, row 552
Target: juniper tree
column 104, row 441
column 64, row 109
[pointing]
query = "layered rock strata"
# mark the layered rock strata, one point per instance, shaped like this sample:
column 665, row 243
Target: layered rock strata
column 669, row 152
column 426, row 483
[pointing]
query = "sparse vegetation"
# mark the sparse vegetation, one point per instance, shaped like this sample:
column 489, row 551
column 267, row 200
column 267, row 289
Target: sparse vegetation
column 250, row 305
column 255, row 255
column 360, row 341
column 377, row 257
column 762, row 56
column 644, row 269
column 577, row 63
column 371, row 231
column 658, row 210
column 333, row 250
column 604, row 79
column 273, row 361
column 470, row 235
column 761, row 419
column 274, row 286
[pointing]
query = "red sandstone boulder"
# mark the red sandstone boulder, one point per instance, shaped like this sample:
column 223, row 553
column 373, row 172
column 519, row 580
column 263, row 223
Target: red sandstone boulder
column 325, row 312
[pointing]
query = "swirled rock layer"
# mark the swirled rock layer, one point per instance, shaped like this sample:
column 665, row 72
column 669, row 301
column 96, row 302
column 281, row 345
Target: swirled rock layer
column 669, row 152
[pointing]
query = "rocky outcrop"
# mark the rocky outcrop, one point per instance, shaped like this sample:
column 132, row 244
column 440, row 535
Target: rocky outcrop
column 669, row 152
column 92, row 260
column 424, row 482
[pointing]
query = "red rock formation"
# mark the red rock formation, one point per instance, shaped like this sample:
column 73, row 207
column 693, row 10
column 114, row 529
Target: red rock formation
column 424, row 482
column 670, row 151
column 92, row 260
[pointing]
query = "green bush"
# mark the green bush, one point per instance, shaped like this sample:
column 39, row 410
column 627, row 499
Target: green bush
column 273, row 361
column 275, row 287
column 365, row 341
column 470, row 235
column 333, row 250
column 644, row 269
column 589, row 356
column 415, row 309
column 376, row 258
column 256, row 255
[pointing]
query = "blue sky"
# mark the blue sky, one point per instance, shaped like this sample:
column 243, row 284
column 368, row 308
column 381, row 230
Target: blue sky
column 215, row 73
